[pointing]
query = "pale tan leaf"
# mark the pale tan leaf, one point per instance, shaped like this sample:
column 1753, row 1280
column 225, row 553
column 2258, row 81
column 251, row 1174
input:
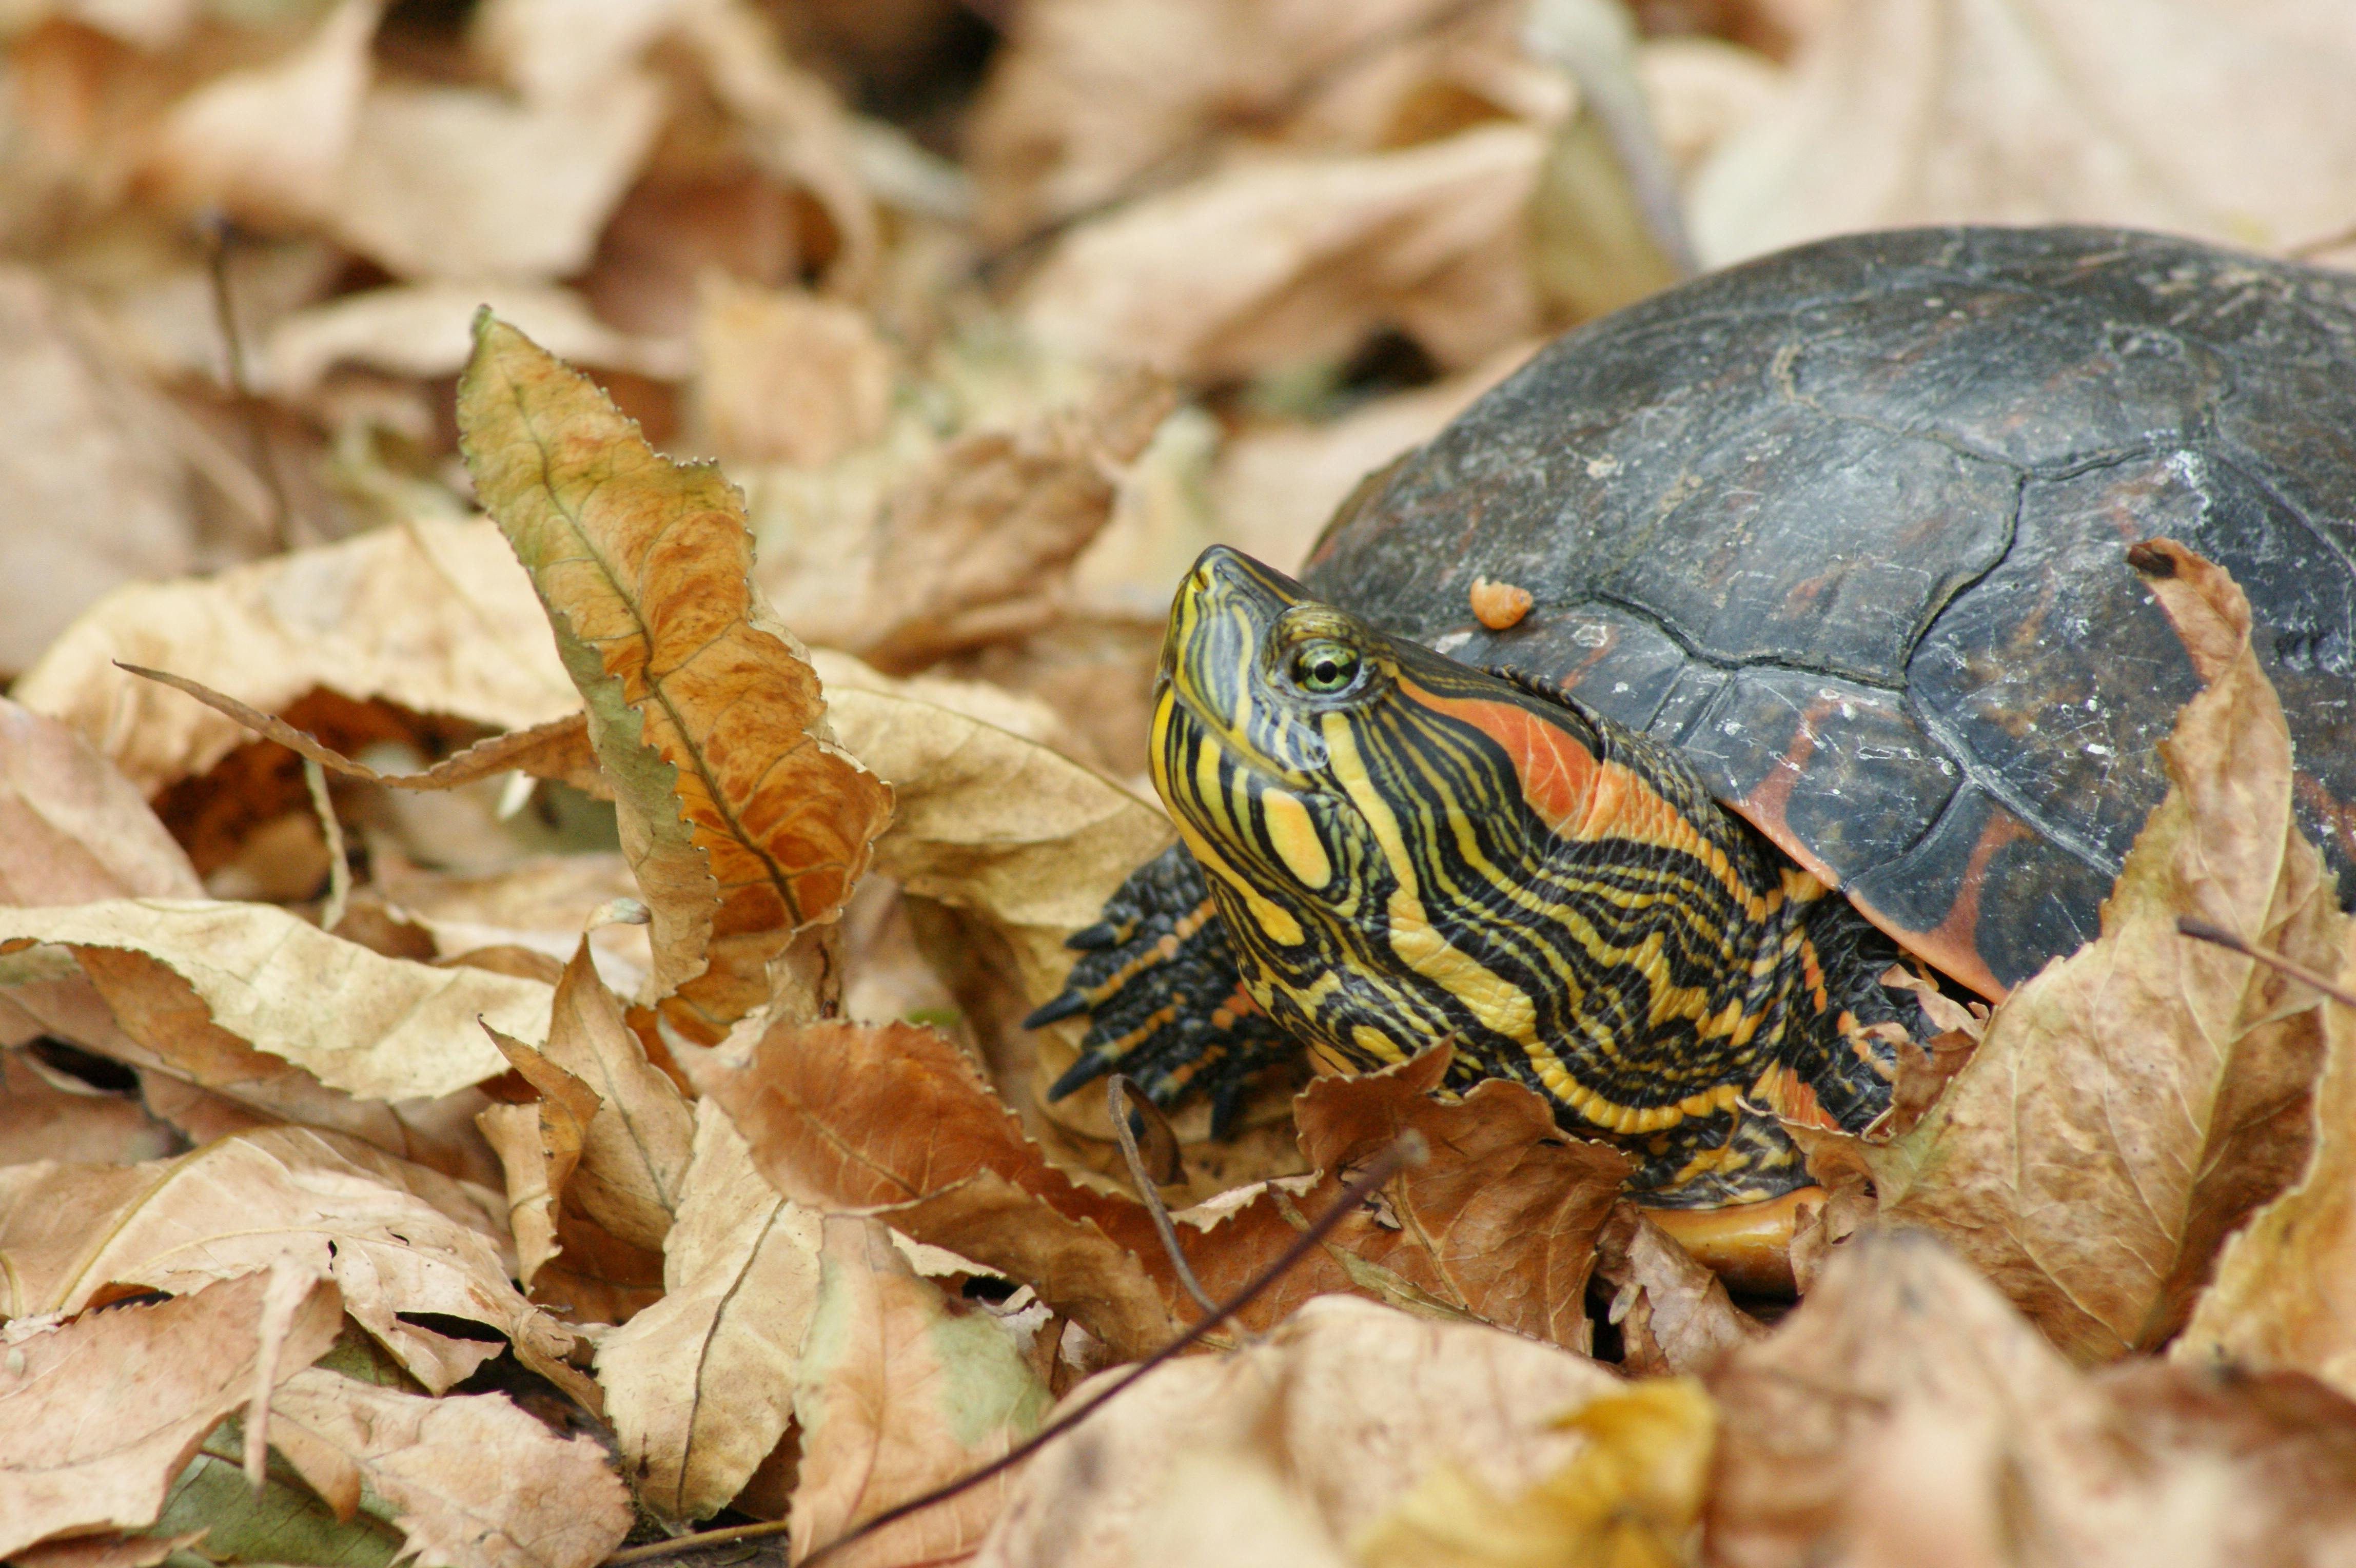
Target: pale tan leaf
column 2285, row 1290
column 743, row 822
column 698, row 1386
column 77, row 1455
column 1283, row 260
column 635, row 1148
column 105, row 1551
column 788, row 378
column 46, row 1115
column 460, row 183
column 422, row 330
column 1673, row 1314
column 1904, row 1414
column 268, row 143
column 541, row 902
column 1350, row 1404
column 433, row 616
column 396, row 1238
column 73, row 829
column 540, row 1145
column 2226, row 121
column 382, row 1028
column 560, row 50
column 472, row 1481
column 898, row 1391
column 2133, row 1103
column 80, row 438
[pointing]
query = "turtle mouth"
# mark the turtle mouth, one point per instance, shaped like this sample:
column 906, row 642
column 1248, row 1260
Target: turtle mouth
column 1221, row 736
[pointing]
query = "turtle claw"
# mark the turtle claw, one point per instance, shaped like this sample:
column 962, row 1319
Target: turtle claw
column 1069, row 1005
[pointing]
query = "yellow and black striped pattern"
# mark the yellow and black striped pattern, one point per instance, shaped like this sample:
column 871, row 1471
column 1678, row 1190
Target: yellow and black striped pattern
column 1421, row 851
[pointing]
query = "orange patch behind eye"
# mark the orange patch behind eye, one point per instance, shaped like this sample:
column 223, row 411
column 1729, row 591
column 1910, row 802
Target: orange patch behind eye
column 1557, row 771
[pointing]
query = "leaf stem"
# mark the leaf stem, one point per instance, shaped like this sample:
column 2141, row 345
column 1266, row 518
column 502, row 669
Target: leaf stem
column 2203, row 931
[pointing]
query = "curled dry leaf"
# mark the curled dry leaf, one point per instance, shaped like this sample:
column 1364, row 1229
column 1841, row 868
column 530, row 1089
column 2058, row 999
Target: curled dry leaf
column 396, row 1238
column 540, row 1145
column 899, row 1391
column 1905, row 1414
column 2285, row 1289
column 47, row 1115
column 73, row 829
column 383, row 1027
column 1348, row 1402
column 76, row 1455
column 1673, row 1313
column 698, row 1386
column 1284, row 259
column 1499, row 1224
column 433, row 616
column 744, row 823
column 2133, row 1103
column 470, row 1479
column 636, row 1147
column 2223, row 122
column 106, row 1551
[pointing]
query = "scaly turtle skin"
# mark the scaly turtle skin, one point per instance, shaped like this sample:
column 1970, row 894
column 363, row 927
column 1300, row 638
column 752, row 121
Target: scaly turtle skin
column 1842, row 529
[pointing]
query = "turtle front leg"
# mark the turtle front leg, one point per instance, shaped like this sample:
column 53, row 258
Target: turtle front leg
column 1165, row 1005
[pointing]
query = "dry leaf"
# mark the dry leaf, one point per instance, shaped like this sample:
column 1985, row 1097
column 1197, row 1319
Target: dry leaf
column 470, row 1479
column 1631, row 1498
column 73, row 829
column 2133, row 1103
column 540, row 1145
column 698, row 1386
column 420, row 329
column 268, row 143
column 635, row 1148
column 1673, row 1314
column 106, row 1551
column 559, row 51
column 382, row 1028
column 1286, row 260
column 1348, row 1402
column 433, row 616
column 2227, row 122
column 459, row 183
column 1904, row 1414
column 2285, row 1290
column 82, row 440
column 900, row 1389
column 786, row 378
column 396, row 1238
column 98, row 1415
column 743, row 823
column 46, row 1115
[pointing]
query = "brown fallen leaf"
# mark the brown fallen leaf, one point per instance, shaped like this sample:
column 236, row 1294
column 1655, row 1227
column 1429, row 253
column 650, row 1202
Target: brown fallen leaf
column 1500, row 1224
column 1281, row 260
column 972, row 547
column 1631, row 1498
column 1347, row 1405
column 72, row 830
column 744, row 823
column 386, row 1028
column 540, row 1144
column 76, row 1454
column 899, row 1389
column 470, row 1479
column 420, row 329
column 698, row 1386
column 1904, row 1414
column 1673, row 1314
column 2285, row 1294
column 47, row 1115
column 80, row 437
column 2133, row 1103
column 396, row 1238
column 105, row 1551
column 786, row 377
column 2223, row 122
column 635, row 1148
column 433, row 616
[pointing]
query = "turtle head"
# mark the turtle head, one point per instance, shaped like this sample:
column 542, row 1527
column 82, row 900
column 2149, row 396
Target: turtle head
column 1359, row 803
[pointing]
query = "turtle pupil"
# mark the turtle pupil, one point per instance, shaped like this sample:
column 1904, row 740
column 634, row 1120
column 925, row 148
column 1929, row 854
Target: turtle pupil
column 1323, row 667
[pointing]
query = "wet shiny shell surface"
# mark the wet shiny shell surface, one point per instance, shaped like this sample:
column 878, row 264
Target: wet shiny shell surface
column 1849, row 524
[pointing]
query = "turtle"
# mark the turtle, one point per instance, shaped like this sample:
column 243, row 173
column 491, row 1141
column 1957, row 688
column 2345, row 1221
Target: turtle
column 1834, row 683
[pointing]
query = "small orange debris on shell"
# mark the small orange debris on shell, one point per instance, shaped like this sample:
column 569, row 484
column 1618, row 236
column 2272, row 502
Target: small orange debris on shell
column 1499, row 605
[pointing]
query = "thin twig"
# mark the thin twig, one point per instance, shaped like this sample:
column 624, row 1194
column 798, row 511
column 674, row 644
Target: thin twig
column 2203, row 931
column 218, row 236
column 1409, row 1149
column 1118, row 1090
column 339, row 865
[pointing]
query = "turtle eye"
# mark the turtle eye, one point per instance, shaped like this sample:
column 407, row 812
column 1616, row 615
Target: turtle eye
column 1323, row 667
